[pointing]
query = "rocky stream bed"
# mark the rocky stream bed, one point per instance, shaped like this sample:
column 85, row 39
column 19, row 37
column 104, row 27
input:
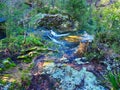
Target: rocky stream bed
column 61, row 69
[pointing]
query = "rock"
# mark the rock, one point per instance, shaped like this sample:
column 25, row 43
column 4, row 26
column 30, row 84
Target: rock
column 82, row 49
column 103, row 3
column 59, row 22
column 86, row 37
column 50, row 21
column 84, row 43
column 67, row 77
column 72, row 79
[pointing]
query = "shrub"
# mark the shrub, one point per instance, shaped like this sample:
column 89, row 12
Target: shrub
column 108, row 17
column 78, row 10
column 13, row 14
column 113, row 78
column 94, row 52
column 108, row 26
column 54, row 11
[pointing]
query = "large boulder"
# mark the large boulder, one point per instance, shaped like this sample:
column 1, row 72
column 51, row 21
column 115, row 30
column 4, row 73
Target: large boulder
column 63, row 76
column 58, row 22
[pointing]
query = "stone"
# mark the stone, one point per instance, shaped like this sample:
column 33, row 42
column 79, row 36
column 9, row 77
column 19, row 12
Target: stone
column 58, row 22
column 69, row 78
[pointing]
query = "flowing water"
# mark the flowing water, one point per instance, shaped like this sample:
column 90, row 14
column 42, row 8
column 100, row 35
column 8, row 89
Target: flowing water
column 63, row 68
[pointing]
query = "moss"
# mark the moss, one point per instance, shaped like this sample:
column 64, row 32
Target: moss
column 20, row 42
column 28, row 54
column 54, row 11
column 6, row 64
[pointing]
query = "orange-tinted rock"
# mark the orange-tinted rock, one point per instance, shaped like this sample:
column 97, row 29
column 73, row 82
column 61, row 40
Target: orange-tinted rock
column 82, row 49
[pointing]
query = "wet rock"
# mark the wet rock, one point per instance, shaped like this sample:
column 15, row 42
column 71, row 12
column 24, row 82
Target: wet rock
column 86, row 37
column 81, row 49
column 79, row 61
column 84, row 43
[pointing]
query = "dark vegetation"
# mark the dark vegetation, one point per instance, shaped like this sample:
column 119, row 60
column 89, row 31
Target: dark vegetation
column 17, row 45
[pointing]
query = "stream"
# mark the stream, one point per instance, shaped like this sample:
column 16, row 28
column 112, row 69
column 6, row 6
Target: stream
column 60, row 45
column 62, row 70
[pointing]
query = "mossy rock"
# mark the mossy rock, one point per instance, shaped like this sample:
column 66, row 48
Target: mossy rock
column 6, row 64
column 61, row 23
